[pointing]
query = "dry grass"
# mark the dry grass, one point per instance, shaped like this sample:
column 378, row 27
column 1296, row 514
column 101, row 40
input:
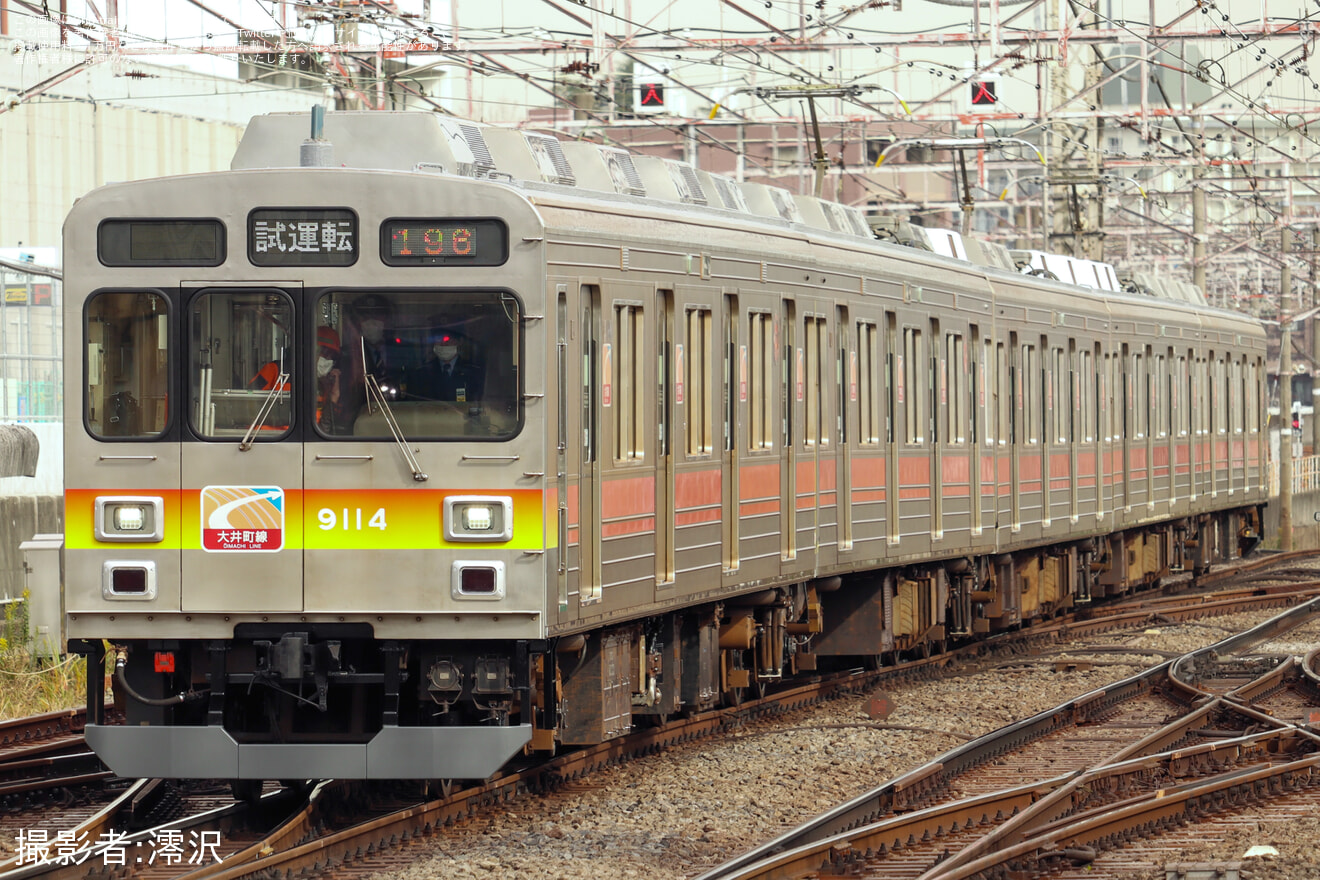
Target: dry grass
column 30, row 685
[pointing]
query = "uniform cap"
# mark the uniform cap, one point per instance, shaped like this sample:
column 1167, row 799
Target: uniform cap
column 326, row 337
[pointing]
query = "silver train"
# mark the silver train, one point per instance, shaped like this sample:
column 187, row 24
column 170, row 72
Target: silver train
column 415, row 445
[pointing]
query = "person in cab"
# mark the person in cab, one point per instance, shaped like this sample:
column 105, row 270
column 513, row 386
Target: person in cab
column 450, row 373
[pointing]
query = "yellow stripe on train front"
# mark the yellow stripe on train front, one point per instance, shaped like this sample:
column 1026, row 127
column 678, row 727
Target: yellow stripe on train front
column 401, row 519
column 326, row 519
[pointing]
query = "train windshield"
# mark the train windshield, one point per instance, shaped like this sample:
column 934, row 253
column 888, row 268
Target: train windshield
column 128, row 346
column 242, row 356
column 447, row 362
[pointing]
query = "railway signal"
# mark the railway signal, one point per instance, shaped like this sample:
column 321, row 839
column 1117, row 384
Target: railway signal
column 983, row 92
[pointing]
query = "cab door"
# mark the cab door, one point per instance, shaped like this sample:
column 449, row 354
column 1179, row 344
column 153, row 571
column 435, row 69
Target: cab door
column 241, row 462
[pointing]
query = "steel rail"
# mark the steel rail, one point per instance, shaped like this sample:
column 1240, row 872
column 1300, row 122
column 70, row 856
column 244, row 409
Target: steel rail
column 907, row 790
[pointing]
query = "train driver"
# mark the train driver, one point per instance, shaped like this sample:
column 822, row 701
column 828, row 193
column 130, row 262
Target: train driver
column 449, row 373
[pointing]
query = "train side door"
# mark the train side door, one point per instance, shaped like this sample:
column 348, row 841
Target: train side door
column 815, row 478
column 242, row 477
column 626, row 516
column 894, row 429
column 791, row 386
column 975, row 358
column 595, row 364
column 564, row 430
column 955, row 490
column 666, row 378
column 937, row 398
column 845, row 401
column 1015, row 431
column 735, row 394
column 1126, row 379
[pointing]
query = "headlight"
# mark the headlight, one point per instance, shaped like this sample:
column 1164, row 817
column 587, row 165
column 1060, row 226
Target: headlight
column 130, row 518
column 125, row 518
column 478, row 518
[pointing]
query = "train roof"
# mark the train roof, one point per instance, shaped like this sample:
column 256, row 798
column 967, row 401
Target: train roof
column 431, row 143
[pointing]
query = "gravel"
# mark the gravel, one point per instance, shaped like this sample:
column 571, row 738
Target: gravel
column 677, row 813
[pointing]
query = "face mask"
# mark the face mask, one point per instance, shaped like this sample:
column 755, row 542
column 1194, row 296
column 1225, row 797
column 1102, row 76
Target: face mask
column 323, row 367
column 373, row 330
column 446, row 352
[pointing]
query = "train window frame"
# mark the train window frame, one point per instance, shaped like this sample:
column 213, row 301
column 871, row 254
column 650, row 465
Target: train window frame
column 167, row 371
column 912, row 367
column 696, row 373
column 283, row 416
column 865, row 374
column 956, row 374
column 629, row 377
column 331, row 304
column 761, row 380
column 811, row 373
column 388, row 259
column 218, row 225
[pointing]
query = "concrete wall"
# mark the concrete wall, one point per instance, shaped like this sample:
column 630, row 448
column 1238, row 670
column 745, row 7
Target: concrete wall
column 21, row 517
column 31, row 505
column 1306, row 522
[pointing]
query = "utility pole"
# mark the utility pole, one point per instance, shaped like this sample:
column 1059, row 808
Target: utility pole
column 1198, row 220
column 1285, row 398
column 1315, row 345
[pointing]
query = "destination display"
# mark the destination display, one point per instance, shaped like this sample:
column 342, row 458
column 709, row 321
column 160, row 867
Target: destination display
column 302, row 237
column 158, row 242
column 437, row 241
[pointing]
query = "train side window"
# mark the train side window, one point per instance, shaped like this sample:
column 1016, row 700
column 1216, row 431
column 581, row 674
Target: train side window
column 629, row 416
column 696, row 373
column 954, row 370
column 1083, row 389
column 1159, row 397
column 1138, row 382
column 1059, row 405
column 814, row 344
column 1253, row 410
column 128, row 348
column 1003, row 387
column 909, row 392
column 761, row 380
column 987, row 395
column 1239, row 409
column 241, row 356
column 1028, row 378
column 866, row 373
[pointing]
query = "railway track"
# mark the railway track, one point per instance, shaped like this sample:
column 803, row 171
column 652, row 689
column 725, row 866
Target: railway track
column 314, row 843
column 1194, row 736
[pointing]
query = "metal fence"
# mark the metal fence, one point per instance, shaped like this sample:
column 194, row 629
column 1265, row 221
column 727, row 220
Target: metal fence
column 31, row 328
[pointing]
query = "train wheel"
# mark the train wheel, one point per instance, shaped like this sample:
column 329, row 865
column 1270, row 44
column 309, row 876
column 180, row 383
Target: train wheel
column 873, row 662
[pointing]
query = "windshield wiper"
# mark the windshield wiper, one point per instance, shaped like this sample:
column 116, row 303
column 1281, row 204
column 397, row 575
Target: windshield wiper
column 281, row 383
column 374, row 394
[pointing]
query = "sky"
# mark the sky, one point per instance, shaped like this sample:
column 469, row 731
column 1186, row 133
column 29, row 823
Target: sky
column 159, row 24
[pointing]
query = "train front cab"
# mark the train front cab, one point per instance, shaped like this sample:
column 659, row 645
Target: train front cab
column 298, row 581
